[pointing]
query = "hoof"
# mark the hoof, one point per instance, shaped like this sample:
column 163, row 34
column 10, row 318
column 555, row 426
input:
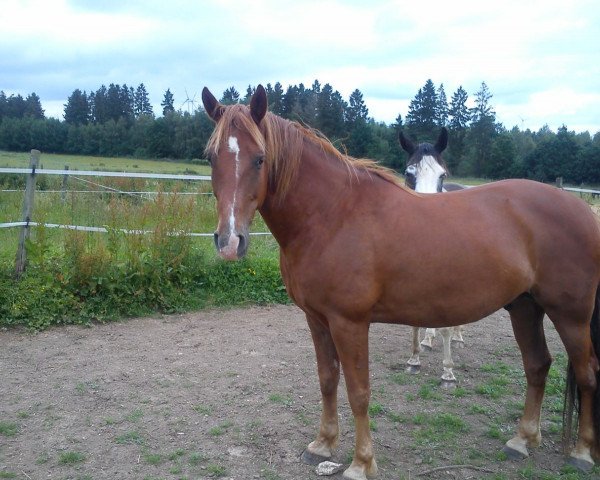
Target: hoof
column 427, row 348
column 413, row 369
column 580, row 464
column 448, row 384
column 312, row 458
column 513, row 454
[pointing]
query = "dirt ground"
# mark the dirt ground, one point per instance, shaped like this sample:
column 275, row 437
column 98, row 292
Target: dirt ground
column 234, row 393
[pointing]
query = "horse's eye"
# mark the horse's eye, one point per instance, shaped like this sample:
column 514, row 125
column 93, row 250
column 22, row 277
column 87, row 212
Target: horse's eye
column 259, row 161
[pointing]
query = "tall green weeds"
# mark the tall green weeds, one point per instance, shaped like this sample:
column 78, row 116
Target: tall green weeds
column 77, row 277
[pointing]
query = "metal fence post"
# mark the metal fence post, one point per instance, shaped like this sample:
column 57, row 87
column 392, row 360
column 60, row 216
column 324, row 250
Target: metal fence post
column 27, row 211
column 65, row 180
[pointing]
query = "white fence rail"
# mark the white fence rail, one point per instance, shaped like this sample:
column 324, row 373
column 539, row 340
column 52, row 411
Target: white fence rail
column 32, row 172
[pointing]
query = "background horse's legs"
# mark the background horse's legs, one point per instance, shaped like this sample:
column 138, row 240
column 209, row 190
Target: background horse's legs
column 328, row 366
column 448, row 378
column 414, row 363
column 457, row 337
column 527, row 322
column 427, row 341
column 351, row 339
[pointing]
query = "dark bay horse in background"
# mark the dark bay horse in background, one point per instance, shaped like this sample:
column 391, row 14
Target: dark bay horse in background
column 425, row 173
column 353, row 252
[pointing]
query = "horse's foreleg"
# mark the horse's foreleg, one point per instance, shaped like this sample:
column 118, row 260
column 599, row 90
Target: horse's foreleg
column 414, row 363
column 352, row 342
column 328, row 366
column 427, row 341
column 448, row 378
column 527, row 322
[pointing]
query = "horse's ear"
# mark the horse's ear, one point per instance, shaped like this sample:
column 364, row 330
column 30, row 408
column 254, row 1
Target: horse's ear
column 407, row 145
column 258, row 104
column 212, row 106
column 442, row 141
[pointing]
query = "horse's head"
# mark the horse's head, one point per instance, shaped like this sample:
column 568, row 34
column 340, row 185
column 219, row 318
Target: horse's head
column 236, row 151
column 425, row 169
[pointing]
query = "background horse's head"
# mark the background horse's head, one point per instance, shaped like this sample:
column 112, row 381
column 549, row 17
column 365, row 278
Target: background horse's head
column 425, row 169
column 236, row 151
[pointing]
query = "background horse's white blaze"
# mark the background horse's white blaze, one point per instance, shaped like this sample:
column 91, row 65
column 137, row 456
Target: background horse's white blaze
column 428, row 174
column 229, row 251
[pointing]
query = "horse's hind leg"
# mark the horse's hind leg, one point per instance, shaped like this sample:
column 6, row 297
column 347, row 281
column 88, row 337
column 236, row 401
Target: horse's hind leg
column 577, row 340
column 328, row 366
column 527, row 322
column 414, row 363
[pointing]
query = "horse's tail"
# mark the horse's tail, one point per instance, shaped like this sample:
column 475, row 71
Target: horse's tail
column 571, row 405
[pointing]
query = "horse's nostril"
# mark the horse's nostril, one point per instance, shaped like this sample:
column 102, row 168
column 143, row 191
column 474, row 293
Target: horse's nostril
column 242, row 245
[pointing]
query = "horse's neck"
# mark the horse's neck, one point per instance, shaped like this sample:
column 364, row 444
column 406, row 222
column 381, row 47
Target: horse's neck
column 320, row 192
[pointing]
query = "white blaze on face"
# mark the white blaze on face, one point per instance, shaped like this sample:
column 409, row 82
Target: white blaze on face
column 428, row 175
column 234, row 148
column 229, row 251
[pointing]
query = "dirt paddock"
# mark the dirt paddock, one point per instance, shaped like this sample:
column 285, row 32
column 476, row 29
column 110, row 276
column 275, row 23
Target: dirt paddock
column 234, row 394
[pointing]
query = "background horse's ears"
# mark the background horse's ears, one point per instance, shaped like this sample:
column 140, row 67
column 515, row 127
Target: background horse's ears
column 213, row 108
column 258, row 104
column 407, row 145
column 442, row 141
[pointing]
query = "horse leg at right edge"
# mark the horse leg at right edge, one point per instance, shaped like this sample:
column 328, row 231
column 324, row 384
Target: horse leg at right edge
column 583, row 382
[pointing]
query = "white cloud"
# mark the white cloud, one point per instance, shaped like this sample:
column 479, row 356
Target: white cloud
column 385, row 48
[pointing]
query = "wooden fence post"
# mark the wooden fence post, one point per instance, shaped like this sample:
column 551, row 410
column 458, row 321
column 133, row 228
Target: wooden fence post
column 27, row 211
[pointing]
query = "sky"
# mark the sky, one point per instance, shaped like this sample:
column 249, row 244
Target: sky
column 539, row 59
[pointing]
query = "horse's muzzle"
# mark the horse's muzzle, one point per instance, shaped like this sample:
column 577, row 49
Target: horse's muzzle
column 231, row 247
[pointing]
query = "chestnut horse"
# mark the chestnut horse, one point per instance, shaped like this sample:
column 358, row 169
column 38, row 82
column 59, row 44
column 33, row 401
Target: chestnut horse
column 425, row 173
column 354, row 251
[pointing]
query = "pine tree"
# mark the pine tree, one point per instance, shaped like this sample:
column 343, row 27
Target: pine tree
column 3, row 104
column 442, row 106
column 483, row 129
column 141, row 102
column 458, row 121
column 275, row 98
column 289, row 103
column 167, row 103
column 77, row 109
column 33, row 107
column 422, row 117
column 357, row 111
column 230, row 96
column 458, row 112
column 249, row 92
column 330, row 112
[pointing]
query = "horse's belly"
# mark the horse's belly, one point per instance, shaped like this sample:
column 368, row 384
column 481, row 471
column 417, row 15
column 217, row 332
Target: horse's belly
column 429, row 311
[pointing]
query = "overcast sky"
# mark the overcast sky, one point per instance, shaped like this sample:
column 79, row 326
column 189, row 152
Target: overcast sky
column 540, row 59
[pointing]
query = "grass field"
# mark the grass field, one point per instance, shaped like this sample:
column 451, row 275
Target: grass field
column 80, row 162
